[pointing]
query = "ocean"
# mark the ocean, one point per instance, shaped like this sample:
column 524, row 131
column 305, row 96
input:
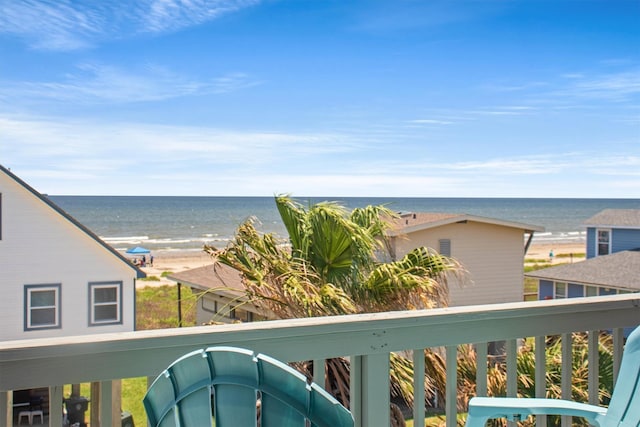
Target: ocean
column 166, row 224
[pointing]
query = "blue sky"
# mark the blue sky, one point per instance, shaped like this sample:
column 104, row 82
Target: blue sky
column 502, row 98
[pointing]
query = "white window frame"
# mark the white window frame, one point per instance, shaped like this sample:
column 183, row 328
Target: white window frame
column 93, row 286
column 608, row 231
column 29, row 290
column 556, row 295
column 591, row 290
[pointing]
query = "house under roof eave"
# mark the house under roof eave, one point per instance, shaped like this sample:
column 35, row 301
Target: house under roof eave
column 72, row 220
column 618, row 270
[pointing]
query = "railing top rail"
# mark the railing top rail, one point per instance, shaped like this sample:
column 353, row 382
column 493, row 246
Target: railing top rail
column 143, row 353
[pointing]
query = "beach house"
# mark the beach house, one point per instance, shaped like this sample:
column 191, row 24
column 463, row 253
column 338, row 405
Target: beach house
column 221, row 295
column 492, row 250
column 612, row 260
column 58, row 277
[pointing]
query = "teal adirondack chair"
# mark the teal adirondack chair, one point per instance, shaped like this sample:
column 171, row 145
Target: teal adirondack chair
column 241, row 387
column 623, row 410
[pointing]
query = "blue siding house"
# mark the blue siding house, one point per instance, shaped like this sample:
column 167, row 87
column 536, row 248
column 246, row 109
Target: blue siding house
column 613, row 230
column 612, row 264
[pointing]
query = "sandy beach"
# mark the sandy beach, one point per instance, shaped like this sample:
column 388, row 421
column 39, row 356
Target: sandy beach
column 562, row 252
column 175, row 262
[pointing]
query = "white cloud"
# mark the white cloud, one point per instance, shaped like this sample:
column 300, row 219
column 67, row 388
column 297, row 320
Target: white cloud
column 615, row 87
column 69, row 25
column 95, row 83
column 67, row 157
column 171, row 15
column 431, row 122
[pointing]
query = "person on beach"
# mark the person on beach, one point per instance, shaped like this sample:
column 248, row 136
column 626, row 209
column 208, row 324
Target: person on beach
column 551, row 255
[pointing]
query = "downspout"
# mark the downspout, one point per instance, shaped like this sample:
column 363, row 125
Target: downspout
column 526, row 247
column 179, row 305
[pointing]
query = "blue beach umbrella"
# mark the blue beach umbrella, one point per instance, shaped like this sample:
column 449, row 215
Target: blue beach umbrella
column 138, row 250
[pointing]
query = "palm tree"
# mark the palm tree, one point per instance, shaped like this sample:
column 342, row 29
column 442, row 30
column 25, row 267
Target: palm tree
column 330, row 265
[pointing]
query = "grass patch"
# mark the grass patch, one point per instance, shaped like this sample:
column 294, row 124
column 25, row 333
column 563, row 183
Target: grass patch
column 576, row 255
column 536, row 260
column 166, row 273
column 150, row 279
column 157, row 307
column 535, row 267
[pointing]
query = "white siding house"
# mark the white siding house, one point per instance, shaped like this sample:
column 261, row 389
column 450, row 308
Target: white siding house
column 58, row 278
column 491, row 250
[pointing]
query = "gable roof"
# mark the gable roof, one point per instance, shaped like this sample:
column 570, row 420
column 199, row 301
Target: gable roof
column 220, row 280
column 411, row 222
column 615, row 218
column 617, row 270
column 217, row 277
column 72, row 220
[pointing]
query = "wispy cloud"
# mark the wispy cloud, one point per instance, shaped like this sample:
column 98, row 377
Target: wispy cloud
column 128, row 143
column 69, row 25
column 430, row 122
column 94, row 83
column 615, row 87
column 171, row 15
column 78, row 157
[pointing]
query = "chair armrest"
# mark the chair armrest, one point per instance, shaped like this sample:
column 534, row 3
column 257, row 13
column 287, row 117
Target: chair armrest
column 483, row 408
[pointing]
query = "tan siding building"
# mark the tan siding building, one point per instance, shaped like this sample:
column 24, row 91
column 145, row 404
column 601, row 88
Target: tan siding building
column 491, row 250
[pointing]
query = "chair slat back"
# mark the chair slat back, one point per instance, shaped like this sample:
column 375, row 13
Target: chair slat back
column 624, row 409
column 244, row 387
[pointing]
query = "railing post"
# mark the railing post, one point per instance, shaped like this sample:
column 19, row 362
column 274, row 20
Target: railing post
column 481, row 369
column 451, row 404
column 618, row 348
column 593, row 378
column 512, row 371
column 418, row 387
column 106, row 403
column 565, row 375
column 116, row 403
column 370, row 390
column 6, row 407
column 96, row 405
column 56, row 400
column 540, row 356
column 319, row 375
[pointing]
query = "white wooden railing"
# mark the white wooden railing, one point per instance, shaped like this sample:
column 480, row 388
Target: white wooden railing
column 367, row 339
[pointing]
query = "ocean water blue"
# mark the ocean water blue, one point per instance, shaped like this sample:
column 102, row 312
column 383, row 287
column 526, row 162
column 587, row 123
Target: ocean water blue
column 187, row 223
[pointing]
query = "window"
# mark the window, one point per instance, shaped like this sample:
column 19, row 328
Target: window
column 105, row 303
column 42, row 307
column 591, row 291
column 604, row 242
column 560, row 290
column 445, row 247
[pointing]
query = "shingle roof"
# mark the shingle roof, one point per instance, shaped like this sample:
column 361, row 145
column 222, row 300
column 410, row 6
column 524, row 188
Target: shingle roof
column 618, row 270
column 615, row 218
column 219, row 277
column 410, row 222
